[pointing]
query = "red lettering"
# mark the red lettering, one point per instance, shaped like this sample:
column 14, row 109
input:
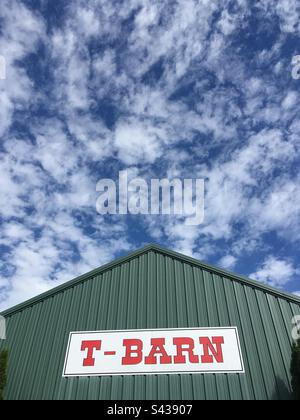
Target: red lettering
column 208, row 346
column 185, row 344
column 132, row 347
column 90, row 346
column 158, row 348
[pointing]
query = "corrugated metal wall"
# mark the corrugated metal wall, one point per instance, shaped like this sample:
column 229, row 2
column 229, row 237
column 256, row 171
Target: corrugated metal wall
column 152, row 290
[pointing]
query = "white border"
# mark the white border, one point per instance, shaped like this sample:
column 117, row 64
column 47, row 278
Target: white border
column 155, row 373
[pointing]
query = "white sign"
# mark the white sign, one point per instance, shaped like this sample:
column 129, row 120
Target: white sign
column 140, row 352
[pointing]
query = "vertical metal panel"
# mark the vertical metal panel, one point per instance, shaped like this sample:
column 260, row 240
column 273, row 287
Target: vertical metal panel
column 243, row 388
column 152, row 290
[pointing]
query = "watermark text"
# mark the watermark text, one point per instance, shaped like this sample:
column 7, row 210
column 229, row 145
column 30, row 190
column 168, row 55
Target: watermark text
column 2, row 68
column 2, row 328
column 159, row 196
column 296, row 67
column 296, row 328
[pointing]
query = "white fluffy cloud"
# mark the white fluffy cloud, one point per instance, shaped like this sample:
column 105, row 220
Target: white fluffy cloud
column 137, row 143
column 20, row 32
column 276, row 272
column 228, row 261
column 208, row 113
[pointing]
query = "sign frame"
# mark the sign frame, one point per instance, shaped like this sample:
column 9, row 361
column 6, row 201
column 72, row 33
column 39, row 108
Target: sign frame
column 155, row 330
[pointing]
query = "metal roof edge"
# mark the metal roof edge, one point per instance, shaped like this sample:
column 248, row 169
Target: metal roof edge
column 225, row 273
column 141, row 251
column 76, row 280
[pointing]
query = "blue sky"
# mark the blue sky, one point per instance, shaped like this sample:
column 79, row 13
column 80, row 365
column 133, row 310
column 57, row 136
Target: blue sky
column 188, row 89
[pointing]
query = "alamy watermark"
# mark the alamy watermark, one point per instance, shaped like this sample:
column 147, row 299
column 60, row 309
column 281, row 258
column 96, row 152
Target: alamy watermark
column 159, row 196
column 296, row 67
column 296, row 328
column 2, row 68
column 2, row 328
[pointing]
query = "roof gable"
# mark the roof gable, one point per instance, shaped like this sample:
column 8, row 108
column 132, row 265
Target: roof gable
column 166, row 252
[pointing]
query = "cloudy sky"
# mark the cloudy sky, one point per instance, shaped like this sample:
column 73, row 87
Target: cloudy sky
column 188, row 89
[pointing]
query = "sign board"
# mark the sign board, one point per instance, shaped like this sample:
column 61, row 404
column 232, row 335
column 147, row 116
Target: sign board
column 160, row 351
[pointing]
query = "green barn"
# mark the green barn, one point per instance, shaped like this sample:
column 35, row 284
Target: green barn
column 153, row 290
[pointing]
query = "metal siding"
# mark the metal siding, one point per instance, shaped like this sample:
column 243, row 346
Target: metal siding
column 152, row 290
